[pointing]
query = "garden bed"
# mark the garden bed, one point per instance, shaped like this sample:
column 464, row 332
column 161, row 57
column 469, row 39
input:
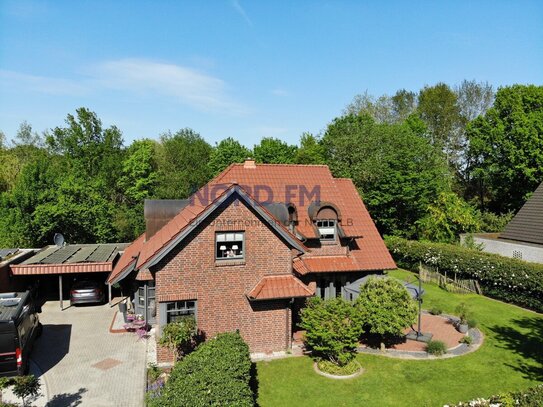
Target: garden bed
column 328, row 369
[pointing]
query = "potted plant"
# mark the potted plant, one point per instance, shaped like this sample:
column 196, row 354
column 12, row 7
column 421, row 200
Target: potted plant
column 463, row 313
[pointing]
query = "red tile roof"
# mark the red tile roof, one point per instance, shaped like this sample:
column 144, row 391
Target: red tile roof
column 279, row 286
column 128, row 259
column 34, row 269
column 325, row 264
column 286, row 183
column 285, row 179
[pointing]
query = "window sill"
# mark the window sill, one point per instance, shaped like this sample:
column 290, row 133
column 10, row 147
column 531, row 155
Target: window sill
column 233, row 262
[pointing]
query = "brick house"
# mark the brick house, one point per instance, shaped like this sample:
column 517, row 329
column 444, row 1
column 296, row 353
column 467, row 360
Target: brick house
column 246, row 250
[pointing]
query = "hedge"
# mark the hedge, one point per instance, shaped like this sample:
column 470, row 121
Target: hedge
column 217, row 373
column 503, row 278
column 532, row 397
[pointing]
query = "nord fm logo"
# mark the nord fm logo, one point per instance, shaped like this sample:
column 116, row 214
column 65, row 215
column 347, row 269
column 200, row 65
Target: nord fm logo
column 296, row 194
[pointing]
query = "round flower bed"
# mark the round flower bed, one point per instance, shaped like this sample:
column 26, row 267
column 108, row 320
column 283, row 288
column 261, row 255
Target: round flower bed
column 333, row 371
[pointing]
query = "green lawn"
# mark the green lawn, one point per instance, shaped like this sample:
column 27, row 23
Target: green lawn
column 511, row 358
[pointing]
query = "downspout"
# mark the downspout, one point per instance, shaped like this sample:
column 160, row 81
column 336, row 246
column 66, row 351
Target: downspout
column 289, row 325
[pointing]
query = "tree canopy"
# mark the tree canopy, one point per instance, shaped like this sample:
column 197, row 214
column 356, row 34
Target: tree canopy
column 429, row 164
column 506, row 148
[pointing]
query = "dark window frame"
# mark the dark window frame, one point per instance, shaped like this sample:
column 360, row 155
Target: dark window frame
column 231, row 247
column 319, row 223
column 182, row 307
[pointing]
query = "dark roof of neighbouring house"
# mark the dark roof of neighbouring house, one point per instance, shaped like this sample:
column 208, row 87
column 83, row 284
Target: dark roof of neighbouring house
column 5, row 253
column 527, row 225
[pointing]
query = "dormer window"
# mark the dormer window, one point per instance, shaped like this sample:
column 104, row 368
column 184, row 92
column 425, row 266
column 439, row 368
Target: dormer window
column 327, row 229
column 229, row 245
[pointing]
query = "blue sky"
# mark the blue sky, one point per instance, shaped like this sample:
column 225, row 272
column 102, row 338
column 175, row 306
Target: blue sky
column 248, row 69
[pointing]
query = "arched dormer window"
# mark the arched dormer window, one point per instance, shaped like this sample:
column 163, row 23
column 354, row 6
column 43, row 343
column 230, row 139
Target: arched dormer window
column 326, row 222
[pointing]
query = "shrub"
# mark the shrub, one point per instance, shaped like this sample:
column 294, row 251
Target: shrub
column 179, row 336
column 153, row 372
column 468, row 340
column 436, row 348
column 463, row 312
column 386, row 307
column 333, row 328
column 217, row 373
column 472, row 323
column 506, row 279
column 436, row 311
column 25, row 386
column 532, row 397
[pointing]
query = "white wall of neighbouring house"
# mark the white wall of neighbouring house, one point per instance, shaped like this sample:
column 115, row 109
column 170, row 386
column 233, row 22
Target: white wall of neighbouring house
column 516, row 250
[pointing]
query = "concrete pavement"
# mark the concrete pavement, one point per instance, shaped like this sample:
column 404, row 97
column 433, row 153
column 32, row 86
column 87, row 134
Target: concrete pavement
column 83, row 364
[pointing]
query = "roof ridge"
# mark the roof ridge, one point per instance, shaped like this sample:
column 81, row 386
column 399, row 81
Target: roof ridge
column 280, row 165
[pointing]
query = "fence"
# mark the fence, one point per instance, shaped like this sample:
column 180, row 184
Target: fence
column 429, row 274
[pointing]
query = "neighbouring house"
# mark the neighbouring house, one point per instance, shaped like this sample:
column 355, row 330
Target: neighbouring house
column 10, row 257
column 246, row 250
column 523, row 236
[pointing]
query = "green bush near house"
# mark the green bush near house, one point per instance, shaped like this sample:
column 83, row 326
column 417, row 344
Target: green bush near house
column 217, row 373
column 333, row 328
column 180, row 336
column 386, row 308
column 506, row 279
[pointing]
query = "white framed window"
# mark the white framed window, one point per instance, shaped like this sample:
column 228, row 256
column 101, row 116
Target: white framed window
column 229, row 245
column 327, row 229
column 178, row 310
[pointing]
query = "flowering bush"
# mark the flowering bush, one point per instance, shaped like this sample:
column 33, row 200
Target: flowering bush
column 532, row 397
column 506, row 279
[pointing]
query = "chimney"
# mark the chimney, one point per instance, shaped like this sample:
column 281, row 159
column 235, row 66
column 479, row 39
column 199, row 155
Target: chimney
column 158, row 212
column 249, row 164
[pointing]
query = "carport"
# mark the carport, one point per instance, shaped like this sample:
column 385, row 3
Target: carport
column 76, row 259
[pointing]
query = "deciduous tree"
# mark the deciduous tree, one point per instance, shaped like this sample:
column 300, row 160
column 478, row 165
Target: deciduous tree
column 505, row 148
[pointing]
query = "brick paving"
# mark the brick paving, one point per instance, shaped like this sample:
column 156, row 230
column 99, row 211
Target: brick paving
column 84, row 364
column 442, row 329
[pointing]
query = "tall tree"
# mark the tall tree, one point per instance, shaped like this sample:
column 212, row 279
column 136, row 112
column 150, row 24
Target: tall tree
column 438, row 108
column 138, row 181
column 311, row 150
column 274, row 151
column 384, row 109
column 505, row 148
column 182, row 164
column 474, row 99
column 397, row 171
column 228, row 151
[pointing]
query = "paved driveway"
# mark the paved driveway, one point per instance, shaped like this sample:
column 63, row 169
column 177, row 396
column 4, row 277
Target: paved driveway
column 83, row 364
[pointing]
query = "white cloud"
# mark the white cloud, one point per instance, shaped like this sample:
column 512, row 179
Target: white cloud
column 241, row 11
column 185, row 84
column 151, row 79
column 41, row 84
column 279, row 92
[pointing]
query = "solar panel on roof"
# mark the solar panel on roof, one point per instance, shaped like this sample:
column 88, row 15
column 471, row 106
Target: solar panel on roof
column 102, row 253
column 38, row 258
column 7, row 252
column 61, row 255
column 82, row 255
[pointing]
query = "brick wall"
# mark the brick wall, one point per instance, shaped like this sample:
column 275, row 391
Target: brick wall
column 190, row 270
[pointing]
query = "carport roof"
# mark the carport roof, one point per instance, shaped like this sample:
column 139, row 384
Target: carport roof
column 77, row 258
